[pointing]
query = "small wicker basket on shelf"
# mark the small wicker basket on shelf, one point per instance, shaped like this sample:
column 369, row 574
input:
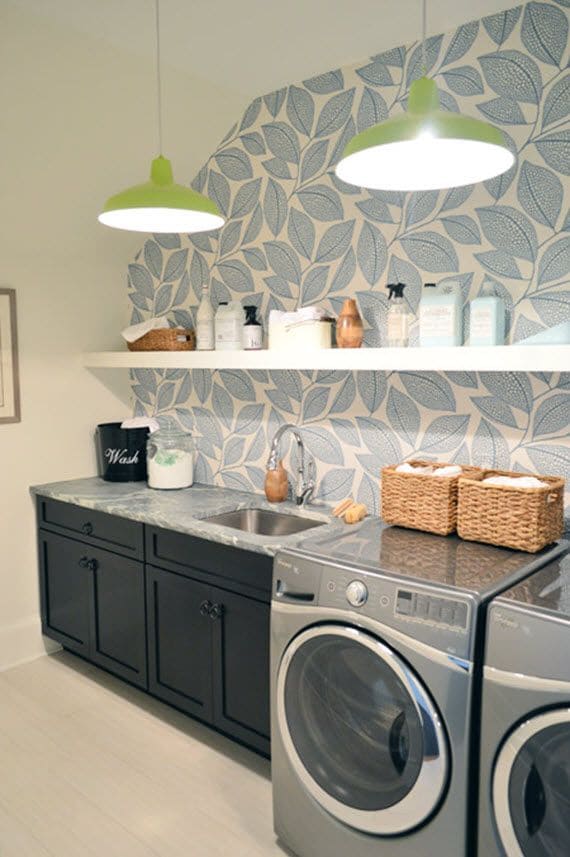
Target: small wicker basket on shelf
column 165, row 339
column 525, row 519
column 420, row 501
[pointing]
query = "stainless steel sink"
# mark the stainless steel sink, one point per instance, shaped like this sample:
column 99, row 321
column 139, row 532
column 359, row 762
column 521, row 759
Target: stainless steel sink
column 263, row 522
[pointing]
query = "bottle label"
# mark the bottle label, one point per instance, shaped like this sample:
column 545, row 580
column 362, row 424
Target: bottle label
column 228, row 333
column 398, row 324
column 482, row 325
column 437, row 320
column 252, row 337
column 205, row 336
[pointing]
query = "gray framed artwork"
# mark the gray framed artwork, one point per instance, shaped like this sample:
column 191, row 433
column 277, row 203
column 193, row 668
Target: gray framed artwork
column 9, row 380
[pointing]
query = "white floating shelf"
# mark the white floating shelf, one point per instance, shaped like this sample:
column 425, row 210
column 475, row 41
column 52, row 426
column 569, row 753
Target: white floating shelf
column 504, row 358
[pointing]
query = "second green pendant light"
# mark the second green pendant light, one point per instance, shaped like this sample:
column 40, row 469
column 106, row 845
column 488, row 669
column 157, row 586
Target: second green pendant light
column 425, row 148
column 161, row 205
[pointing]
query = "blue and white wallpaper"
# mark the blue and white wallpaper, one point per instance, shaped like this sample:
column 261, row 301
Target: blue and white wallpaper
column 296, row 235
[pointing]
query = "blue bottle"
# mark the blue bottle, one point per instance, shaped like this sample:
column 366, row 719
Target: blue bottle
column 487, row 318
column 441, row 314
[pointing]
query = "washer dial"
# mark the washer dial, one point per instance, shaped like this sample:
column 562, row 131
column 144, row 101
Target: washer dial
column 356, row 593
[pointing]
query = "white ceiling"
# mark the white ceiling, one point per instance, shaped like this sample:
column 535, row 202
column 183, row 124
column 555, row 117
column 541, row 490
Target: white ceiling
column 253, row 46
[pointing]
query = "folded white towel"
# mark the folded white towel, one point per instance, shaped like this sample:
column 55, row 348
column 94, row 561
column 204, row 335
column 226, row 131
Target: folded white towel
column 418, row 470
column 515, row 481
column 135, row 331
column 450, row 470
column 141, row 422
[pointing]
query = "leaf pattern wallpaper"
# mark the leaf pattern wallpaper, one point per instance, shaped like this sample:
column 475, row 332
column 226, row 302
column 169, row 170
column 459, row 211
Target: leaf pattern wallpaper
column 296, row 235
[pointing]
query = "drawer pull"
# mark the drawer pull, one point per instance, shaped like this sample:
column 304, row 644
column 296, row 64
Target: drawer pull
column 205, row 608
column 84, row 562
column 93, row 565
column 87, row 528
column 216, row 611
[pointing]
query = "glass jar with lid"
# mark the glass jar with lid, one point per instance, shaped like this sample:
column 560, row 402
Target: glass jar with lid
column 170, row 459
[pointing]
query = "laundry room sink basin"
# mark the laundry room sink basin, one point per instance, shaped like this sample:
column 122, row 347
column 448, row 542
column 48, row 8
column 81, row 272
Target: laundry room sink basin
column 263, row 522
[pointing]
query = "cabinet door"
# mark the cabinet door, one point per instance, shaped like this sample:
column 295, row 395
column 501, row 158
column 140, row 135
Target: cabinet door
column 65, row 583
column 179, row 641
column 241, row 668
column 118, row 629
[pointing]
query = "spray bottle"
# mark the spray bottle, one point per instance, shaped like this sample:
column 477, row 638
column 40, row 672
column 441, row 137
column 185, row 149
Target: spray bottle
column 398, row 317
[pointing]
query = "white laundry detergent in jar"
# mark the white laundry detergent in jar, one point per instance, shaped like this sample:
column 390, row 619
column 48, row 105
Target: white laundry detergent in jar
column 170, row 459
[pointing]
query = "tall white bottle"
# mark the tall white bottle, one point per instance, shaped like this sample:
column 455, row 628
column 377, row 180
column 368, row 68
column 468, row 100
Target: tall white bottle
column 205, row 323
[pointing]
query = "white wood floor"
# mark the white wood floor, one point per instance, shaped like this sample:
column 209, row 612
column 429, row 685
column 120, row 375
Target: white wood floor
column 90, row 767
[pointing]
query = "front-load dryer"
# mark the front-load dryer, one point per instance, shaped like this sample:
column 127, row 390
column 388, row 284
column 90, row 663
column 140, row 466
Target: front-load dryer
column 373, row 641
column 524, row 808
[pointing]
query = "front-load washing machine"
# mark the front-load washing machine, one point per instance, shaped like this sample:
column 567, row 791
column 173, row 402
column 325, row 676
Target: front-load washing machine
column 524, row 808
column 373, row 640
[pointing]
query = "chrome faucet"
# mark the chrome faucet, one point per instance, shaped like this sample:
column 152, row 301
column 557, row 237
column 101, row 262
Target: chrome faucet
column 306, row 470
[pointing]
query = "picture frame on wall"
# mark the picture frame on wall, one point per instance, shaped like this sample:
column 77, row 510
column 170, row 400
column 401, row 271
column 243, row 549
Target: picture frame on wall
column 9, row 377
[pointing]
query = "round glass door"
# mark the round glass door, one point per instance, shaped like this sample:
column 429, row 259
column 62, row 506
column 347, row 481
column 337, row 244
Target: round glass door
column 531, row 787
column 360, row 730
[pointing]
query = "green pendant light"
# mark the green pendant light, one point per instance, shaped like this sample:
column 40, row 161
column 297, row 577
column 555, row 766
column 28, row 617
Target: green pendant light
column 426, row 148
column 160, row 205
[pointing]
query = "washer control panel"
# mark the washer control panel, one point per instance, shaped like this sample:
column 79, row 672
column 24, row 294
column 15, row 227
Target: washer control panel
column 356, row 593
column 421, row 606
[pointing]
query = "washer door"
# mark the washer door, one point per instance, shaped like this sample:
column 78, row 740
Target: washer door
column 360, row 730
column 531, row 787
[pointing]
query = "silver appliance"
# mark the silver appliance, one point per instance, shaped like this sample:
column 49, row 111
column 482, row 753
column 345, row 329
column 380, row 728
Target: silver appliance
column 524, row 807
column 374, row 635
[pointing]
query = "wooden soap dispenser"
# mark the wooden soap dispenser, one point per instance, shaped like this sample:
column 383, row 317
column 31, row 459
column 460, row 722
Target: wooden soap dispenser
column 277, row 484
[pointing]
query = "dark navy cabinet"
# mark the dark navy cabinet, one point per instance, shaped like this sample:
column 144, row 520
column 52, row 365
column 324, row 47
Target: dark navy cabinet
column 179, row 616
column 92, row 602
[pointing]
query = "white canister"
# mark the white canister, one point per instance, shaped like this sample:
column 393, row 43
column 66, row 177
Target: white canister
column 229, row 325
column 170, row 459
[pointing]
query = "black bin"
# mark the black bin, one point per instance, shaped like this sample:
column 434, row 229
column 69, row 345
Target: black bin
column 121, row 453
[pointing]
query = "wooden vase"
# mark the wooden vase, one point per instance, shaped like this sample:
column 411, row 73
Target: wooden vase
column 349, row 327
column 276, row 484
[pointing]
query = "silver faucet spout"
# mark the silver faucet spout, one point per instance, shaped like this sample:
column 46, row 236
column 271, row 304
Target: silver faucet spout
column 305, row 477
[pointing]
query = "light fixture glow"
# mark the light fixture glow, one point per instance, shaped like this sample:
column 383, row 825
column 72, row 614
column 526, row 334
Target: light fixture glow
column 426, row 148
column 161, row 205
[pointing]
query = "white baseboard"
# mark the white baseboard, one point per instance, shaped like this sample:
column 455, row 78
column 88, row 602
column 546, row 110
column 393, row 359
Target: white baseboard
column 22, row 641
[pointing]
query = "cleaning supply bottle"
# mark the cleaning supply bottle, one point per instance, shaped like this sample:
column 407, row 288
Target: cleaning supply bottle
column 441, row 314
column 205, row 323
column 398, row 320
column 487, row 321
column 252, row 330
column 228, row 326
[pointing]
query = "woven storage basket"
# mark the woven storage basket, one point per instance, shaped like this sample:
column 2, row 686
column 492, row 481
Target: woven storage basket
column 420, row 501
column 165, row 339
column 526, row 519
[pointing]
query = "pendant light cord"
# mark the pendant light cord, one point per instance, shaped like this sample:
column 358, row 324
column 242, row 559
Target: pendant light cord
column 158, row 80
column 424, row 28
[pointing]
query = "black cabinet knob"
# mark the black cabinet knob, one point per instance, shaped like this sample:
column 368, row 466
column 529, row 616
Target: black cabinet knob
column 205, row 608
column 87, row 528
column 93, row 565
column 216, row 611
column 83, row 562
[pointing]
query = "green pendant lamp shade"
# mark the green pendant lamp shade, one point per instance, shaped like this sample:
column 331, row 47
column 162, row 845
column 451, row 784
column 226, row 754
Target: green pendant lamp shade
column 160, row 205
column 426, row 148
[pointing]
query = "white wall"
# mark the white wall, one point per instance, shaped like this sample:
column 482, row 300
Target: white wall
column 77, row 124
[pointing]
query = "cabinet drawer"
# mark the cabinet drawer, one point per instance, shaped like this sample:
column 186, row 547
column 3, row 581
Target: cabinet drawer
column 93, row 528
column 180, row 552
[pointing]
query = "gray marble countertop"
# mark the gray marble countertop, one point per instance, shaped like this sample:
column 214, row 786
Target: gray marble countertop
column 184, row 510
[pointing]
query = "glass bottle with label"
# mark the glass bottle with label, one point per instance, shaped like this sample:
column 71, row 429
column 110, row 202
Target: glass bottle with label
column 398, row 320
column 205, row 323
